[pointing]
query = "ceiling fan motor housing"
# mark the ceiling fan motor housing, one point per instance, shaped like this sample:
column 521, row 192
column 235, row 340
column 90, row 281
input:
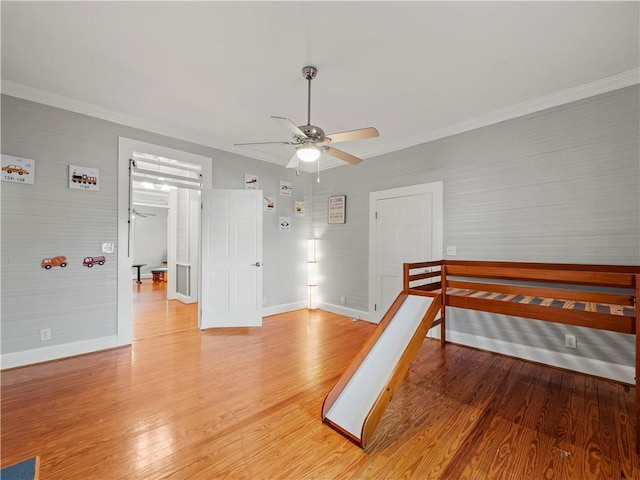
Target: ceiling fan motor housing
column 313, row 133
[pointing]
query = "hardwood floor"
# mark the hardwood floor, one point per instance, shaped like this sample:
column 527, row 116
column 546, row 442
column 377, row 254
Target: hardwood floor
column 245, row 404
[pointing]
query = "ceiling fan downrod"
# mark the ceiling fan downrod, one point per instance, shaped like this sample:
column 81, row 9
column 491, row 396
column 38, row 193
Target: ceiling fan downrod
column 309, row 73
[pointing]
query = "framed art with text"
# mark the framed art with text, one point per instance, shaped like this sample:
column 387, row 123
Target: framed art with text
column 337, row 209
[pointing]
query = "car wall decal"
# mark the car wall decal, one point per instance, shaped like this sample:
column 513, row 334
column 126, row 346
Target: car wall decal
column 59, row 261
column 91, row 261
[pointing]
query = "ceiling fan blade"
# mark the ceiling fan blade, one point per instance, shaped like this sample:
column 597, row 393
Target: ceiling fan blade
column 344, row 156
column 289, row 125
column 359, row 134
column 293, row 163
column 264, row 143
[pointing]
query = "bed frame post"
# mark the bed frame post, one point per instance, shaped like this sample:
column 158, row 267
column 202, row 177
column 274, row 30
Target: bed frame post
column 443, row 303
column 405, row 277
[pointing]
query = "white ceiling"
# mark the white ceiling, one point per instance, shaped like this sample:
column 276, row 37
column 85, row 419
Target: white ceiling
column 214, row 72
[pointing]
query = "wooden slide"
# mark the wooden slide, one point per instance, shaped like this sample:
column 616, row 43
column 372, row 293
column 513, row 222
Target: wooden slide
column 357, row 402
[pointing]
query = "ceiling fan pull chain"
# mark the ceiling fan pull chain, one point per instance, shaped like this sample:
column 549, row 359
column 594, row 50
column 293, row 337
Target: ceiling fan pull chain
column 318, row 170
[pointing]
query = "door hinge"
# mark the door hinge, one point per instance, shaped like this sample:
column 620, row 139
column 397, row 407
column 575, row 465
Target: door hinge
column 376, row 215
column 375, row 307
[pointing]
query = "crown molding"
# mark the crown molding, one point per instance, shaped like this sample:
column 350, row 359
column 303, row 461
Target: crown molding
column 44, row 97
column 591, row 89
column 597, row 87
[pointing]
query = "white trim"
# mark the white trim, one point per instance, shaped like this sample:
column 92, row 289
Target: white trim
column 436, row 189
column 126, row 147
column 284, row 308
column 344, row 311
column 67, row 103
column 590, row 366
column 142, row 275
column 54, row 352
column 602, row 85
column 591, row 89
column 303, row 305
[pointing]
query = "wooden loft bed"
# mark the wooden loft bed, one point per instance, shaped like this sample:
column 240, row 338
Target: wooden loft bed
column 595, row 296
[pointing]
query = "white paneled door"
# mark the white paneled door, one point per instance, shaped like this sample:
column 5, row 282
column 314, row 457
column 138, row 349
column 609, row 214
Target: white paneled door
column 404, row 235
column 406, row 226
column 231, row 259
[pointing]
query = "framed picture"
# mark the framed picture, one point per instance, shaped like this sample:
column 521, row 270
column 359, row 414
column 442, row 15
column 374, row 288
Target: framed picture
column 19, row 170
column 83, row 178
column 337, row 211
column 250, row 181
column 269, row 203
column 285, row 188
column 285, row 224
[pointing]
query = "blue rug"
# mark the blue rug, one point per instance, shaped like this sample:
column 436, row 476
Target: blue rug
column 26, row 470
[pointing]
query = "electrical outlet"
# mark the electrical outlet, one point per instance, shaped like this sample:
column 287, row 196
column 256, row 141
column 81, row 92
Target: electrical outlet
column 451, row 251
column 45, row 334
column 343, row 300
column 570, row 341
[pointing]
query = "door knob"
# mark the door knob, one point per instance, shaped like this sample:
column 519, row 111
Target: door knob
column 257, row 264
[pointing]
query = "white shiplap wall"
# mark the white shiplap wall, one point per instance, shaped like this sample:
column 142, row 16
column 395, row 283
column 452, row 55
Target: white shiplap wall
column 560, row 185
column 47, row 219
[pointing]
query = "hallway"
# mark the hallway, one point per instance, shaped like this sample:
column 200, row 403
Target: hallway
column 154, row 315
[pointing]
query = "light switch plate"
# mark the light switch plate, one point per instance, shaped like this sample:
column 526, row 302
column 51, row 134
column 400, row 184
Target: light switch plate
column 451, row 251
column 108, row 247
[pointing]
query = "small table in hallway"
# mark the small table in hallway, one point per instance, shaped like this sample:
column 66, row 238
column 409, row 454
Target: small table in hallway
column 137, row 266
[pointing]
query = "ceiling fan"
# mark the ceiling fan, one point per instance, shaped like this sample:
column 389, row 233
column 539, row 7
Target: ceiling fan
column 310, row 139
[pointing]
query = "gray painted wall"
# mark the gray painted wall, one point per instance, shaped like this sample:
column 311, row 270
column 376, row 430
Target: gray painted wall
column 47, row 219
column 560, row 185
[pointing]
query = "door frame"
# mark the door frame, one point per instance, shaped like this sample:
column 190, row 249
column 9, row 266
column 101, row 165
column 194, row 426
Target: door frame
column 437, row 215
column 126, row 147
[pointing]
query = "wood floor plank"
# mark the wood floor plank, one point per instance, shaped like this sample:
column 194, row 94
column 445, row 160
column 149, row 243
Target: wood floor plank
column 245, row 403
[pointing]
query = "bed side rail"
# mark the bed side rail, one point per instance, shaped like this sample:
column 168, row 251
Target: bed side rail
column 618, row 276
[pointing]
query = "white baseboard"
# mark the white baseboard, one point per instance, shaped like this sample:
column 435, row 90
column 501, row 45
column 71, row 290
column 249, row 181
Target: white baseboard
column 613, row 371
column 286, row 307
column 346, row 311
column 142, row 275
column 55, row 352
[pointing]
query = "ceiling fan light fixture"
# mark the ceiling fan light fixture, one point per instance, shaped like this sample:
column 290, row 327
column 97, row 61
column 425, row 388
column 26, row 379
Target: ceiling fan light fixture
column 308, row 153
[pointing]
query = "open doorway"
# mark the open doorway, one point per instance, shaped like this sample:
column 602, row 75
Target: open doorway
column 149, row 234
column 165, row 228
column 160, row 188
column 165, row 244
